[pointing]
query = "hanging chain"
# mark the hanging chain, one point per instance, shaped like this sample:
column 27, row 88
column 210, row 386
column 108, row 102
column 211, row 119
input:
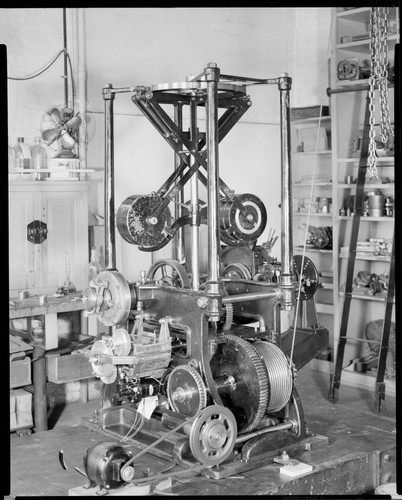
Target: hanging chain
column 372, row 159
column 379, row 77
column 386, row 127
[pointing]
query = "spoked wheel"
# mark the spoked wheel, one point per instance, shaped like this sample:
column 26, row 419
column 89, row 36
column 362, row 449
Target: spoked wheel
column 170, row 273
column 213, row 435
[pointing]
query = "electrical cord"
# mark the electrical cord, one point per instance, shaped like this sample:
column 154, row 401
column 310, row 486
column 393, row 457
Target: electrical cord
column 40, row 71
column 47, row 66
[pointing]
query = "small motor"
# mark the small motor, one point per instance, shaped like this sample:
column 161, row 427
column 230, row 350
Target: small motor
column 103, row 463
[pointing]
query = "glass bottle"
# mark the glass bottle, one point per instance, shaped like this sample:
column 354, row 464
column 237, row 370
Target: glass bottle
column 38, row 159
column 22, row 154
column 93, row 267
column 11, row 160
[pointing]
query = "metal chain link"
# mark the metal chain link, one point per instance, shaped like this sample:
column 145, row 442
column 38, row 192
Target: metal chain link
column 372, row 159
column 386, row 127
column 379, row 77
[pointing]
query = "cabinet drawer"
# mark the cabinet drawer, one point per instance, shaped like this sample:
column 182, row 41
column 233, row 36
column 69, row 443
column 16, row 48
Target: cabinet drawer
column 68, row 368
column 20, row 372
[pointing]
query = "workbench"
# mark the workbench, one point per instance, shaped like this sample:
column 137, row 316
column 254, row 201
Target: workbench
column 29, row 308
column 360, row 456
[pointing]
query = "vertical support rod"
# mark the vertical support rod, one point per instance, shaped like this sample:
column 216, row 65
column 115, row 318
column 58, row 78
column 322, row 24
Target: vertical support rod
column 65, row 76
column 212, row 76
column 195, row 224
column 110, row 250
column 284, row 85
column 178, row 243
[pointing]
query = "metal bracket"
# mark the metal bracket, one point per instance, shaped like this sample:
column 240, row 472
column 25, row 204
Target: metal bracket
column 36, row 232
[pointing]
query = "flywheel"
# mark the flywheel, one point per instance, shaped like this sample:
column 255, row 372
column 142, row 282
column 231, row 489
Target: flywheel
column 242, row 380
column 186, row 390
column 170, row 273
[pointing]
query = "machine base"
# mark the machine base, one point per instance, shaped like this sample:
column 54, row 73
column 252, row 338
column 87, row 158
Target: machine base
column 118, row 422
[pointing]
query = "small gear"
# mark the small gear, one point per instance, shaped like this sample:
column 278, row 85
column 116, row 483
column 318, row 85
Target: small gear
column 229, row 317
column 178, row 277
column 186, row 390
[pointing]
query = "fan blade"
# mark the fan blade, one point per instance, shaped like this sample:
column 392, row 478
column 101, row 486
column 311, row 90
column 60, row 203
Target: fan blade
column 50, row 135
column 74, row 122
column 55, row 115
column 67, row 141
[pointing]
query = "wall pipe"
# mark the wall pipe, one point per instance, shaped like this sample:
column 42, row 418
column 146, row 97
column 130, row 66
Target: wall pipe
column 82, row 89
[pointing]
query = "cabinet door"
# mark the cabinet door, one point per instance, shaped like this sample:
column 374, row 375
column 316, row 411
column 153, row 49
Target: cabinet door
column 65, row 250
column 21, row 251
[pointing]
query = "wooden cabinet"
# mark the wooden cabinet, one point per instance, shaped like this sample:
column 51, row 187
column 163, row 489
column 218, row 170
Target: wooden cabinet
column 48, row 231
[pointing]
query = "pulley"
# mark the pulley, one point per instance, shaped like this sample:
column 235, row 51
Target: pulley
column 242, row 219
column 109, row 296
column 137, row 224
column 213, row 435
column 309, row 282
column 169, row 272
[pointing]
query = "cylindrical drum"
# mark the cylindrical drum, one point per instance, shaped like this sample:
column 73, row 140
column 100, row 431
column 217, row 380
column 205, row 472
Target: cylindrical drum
column 376, row 204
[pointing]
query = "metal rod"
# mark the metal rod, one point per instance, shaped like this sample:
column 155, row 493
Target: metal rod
column 284, row 88
column 178, row 247
column 65, row 76
column 242, row 297
column 110, row 250
column 39, row 376
column 273, row 428
column 214, row 258
column 195, row 224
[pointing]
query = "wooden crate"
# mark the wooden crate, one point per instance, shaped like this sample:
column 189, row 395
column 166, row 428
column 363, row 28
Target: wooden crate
column 67, row 368
column 20, row 370
column 20, row 409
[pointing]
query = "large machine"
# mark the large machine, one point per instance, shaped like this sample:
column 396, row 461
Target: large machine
column 196, row 367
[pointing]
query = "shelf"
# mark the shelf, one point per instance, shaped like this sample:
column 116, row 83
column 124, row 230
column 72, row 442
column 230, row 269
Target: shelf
column 313, row 250
column 380, row 159
column 309, row 153
column 312, row 214
column 374, row 258
column 388, row 185
column 360, row 15
column 325, row 308
column 364, row 45
column 312, row 119
column 309, row 184
column 367, row 219
column 52, row 170
column 375, row 298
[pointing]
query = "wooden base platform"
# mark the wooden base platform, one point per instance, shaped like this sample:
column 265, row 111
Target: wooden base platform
column 360, row 456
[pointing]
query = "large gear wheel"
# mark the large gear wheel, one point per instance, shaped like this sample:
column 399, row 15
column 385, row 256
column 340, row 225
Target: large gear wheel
column 242, row 380
column 186, row 390
column 170, row 272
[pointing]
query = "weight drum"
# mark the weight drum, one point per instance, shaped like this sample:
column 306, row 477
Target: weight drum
column 241, row 219
column 136, row 224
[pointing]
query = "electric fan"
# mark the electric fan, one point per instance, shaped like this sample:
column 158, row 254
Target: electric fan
column 60, row 131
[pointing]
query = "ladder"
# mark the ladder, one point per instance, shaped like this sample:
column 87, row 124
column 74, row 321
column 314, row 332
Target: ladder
column 335, row 378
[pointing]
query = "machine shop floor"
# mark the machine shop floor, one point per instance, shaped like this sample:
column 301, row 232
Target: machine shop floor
column 350, row 464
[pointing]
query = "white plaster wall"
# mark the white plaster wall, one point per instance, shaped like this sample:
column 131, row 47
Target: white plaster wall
column 309, row 56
